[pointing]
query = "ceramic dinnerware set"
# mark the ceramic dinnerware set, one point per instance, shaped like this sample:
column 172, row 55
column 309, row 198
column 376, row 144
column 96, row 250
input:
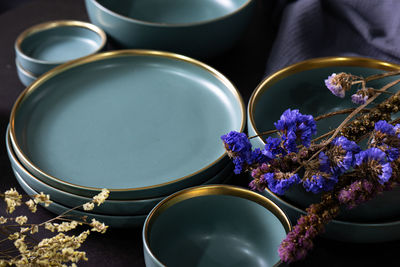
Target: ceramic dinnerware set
column 146, row 124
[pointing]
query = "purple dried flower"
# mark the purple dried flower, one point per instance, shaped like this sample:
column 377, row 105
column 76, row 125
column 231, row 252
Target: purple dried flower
column 335, row 87
column 280, row 182
column 299, row 241
column 373, row 162
column 342, row 154
column 358, row 192
column 384, row 127
column 320, row 182
column 273, row 148
column 359, row 99
column 296, row 126
column 236, row 142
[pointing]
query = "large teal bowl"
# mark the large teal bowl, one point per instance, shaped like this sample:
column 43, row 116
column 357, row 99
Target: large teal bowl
column 214, row 226
column 301, row 86
column 201, row 28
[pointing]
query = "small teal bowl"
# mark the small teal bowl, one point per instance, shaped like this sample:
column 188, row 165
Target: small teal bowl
column 199, row 29
column 24, row 76
column 215, row 225
column 301, row 86
column 47, row 45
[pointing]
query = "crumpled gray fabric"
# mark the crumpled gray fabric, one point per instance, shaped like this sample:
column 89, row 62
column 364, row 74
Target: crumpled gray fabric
column 319, row 28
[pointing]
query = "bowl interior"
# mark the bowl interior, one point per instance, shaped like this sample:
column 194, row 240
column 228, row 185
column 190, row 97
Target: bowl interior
column 175, row 11
column 306, row 91
column 61, row 43
column 216, row 230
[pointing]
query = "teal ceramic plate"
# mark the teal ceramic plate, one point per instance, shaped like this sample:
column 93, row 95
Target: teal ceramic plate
column 110, row 220
column 140, row 123
column 109, row 207
column 301, row 86
column 343, row 230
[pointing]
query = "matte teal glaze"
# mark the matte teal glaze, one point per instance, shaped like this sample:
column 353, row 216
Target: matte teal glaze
column 305, row 90
column 143, row 125
column 25, row 77
column 173, row 12
column 109, row 207
column 47, row 48
column 342, row 230
column 213, row 230
column 110, row 220
column 199, row 29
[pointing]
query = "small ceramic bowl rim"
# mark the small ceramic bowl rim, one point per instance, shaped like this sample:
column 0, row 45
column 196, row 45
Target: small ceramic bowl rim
column 309, row 65
column 158, row 24
column 106, row 55
column 24, row 71
column 362, row 224
column 208, row 190
column 55, row 24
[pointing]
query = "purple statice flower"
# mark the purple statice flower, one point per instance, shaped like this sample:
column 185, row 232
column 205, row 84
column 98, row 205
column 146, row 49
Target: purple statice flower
column 392, row 154
column 299, row 241
column 343, row 152
column 385, row 127
column 386, row 139
column 359, row 99
column 324, row 162
column 397, row 130
column 358, row 192
column 332, row 84
column 273, row 148
column 320, row 182
column 375, row 160
column 236, row 142
column 238, row 147
column 289, row 142
column 295, row 126
column 280, row 182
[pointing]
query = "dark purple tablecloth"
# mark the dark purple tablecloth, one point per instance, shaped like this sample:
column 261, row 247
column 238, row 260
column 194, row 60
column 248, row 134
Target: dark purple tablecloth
column 244, row 65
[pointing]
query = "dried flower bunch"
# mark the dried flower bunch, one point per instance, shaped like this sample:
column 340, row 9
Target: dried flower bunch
column 20, row 247
column 332, row 164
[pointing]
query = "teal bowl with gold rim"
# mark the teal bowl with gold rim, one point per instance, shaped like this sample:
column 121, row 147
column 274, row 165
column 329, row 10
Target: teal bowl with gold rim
column 301, row 86
column 199, row 28
column 214, row 226
column 141, row 123
column 49, row 44
column 25, row 77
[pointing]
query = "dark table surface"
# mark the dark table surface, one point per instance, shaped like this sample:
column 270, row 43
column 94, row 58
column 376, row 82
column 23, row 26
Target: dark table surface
column 244, row 65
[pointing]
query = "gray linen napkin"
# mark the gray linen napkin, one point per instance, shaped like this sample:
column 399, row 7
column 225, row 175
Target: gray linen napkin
column 318, row 28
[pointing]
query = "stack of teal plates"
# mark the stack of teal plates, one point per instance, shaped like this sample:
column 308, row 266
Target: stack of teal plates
column 143, row 124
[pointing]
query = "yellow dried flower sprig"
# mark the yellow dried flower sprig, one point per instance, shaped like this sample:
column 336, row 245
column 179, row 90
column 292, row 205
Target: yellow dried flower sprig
column 58, row 250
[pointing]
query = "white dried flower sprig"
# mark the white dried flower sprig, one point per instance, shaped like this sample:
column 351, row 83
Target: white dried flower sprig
column 58, row 250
